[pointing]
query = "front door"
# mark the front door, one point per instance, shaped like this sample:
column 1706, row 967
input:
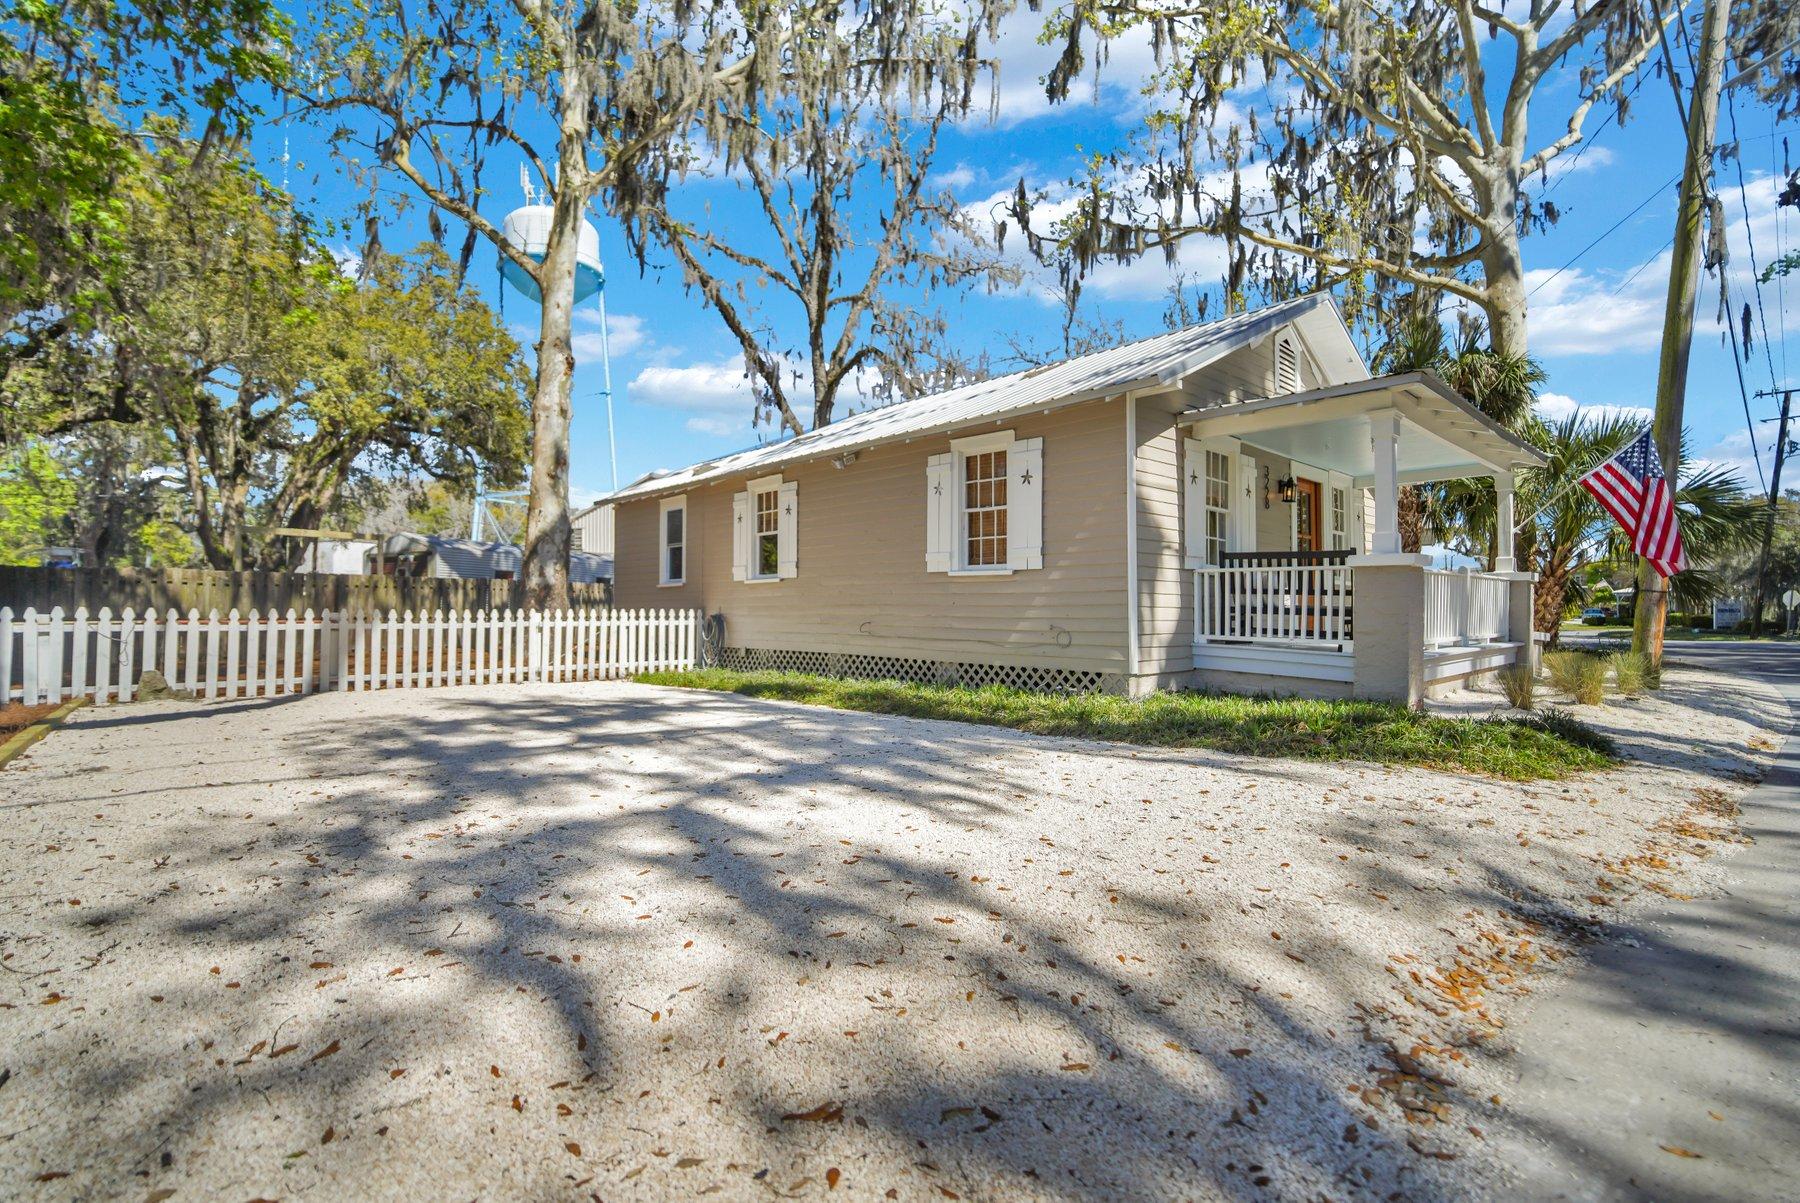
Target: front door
column 1306, row 515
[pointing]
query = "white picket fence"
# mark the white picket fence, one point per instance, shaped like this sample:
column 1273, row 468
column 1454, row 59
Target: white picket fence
column 52, row 657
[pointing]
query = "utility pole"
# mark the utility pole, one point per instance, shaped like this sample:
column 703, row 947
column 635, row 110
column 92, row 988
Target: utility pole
column 1762, row 571
column 1678, row 315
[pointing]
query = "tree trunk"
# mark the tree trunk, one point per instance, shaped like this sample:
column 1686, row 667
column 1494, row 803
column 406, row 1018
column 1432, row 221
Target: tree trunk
column 546, row 568
column 1547, row 602
column 1678, row 315
column 1412, row 518
column 1504, row 269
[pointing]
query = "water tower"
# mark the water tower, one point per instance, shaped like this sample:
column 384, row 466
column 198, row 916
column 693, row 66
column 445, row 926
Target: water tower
column 528, row 229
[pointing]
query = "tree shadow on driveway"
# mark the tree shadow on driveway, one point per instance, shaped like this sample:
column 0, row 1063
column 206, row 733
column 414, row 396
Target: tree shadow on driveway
column 559, row 940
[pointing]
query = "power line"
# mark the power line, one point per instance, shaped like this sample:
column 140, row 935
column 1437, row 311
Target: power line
column 1610, row 230
column 1762, row 317
column 1639, row 270
column 1743, row 390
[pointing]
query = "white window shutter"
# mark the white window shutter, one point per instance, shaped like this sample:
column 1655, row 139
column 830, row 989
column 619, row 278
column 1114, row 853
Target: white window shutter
column 740, row 537
column 1193, row 502
column 940, row 512
column 787, row 531
column 1025, row 505
column 1243, row 505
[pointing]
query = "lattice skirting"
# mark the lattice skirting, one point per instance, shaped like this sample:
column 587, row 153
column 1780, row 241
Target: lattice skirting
column 909, row 668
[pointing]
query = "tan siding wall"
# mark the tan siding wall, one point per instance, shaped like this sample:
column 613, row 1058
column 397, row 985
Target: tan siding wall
column 862, row 585
column 1165, row 594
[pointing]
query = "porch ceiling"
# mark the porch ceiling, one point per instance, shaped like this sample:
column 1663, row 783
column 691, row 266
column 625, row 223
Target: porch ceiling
column 1442, row 436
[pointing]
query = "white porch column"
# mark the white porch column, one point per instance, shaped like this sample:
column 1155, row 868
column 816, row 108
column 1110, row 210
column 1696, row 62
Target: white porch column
column 1503, row 522
column 1384, row 439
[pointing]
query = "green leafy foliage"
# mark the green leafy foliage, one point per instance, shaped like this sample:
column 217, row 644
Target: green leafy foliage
column 1249, row 726
column 36, row 499
column 275, row 379
column 76, row 80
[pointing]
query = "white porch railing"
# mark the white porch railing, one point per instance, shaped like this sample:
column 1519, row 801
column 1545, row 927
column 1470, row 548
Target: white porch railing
column 50, row 657
column 1305, row 605
column 1465, row 607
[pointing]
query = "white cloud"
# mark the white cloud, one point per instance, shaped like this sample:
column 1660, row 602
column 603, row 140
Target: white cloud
column 1587, row 313
column 1733, row 452
column 625, row 332
column 716, row 397
column 1024, row 62
column 959, row 176
column 1597, row 312
column 718, row 400
column 1554, row 407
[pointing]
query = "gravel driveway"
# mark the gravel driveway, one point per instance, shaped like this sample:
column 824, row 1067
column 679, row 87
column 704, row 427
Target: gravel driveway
column 608, row 940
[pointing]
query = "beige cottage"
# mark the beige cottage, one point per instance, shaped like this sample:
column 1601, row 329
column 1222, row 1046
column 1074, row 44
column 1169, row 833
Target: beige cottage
column 1215, row 507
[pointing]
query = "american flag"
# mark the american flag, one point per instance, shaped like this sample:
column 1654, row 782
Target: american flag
column 1633, row 489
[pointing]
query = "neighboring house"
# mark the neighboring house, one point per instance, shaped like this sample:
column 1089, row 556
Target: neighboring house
column 349, row 556
column 591, row 530
column 1215, row 507
column 410, row 554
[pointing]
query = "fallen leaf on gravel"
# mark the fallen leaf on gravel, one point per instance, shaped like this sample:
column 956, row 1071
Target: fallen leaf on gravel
column 827, row 1112
column 832, row 1175
column 574, row 1149
column 1240, row 1052
column 52, row 1175
column 325, row 1052
column 1679, row 1151
column 1074, row 1065
column 688, row 1163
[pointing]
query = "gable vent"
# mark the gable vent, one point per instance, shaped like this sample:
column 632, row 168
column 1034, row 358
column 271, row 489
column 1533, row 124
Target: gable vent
column 1287, row 364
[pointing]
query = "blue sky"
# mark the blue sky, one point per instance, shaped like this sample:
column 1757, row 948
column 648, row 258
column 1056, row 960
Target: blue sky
column 1595, row 317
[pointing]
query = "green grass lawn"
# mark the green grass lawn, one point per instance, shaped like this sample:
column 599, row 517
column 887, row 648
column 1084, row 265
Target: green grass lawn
column 1524, row 748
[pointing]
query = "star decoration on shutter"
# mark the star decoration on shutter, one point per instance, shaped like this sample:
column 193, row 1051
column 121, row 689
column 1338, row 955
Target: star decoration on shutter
column 790, row 511
column 1025, row 477
column 938, row 490
column 1193, row 477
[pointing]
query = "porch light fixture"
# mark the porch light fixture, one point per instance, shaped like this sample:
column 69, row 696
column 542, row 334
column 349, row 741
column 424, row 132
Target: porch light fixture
column 1287, row 489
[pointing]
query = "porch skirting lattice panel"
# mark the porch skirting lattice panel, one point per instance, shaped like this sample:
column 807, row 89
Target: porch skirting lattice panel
column 858, row 666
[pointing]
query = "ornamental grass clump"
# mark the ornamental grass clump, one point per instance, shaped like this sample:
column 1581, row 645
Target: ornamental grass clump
column 1631, row 672
column 1578, row 674
column 1519, row 683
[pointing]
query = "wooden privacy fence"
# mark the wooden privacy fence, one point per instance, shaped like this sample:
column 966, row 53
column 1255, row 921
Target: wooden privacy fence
column 50, row 657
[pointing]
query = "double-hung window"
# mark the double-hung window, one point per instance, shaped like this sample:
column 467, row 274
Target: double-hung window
column 1209, row 472
column 765, row 520
column 984, row 511
column 1340, row 517
column 674, row 541
column 766, row 553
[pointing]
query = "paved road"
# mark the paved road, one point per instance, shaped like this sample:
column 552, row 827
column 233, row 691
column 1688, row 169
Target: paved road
column 1686, row 1034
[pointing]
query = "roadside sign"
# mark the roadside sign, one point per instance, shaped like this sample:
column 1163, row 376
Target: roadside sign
column 1790, row 599
column 1727, row 613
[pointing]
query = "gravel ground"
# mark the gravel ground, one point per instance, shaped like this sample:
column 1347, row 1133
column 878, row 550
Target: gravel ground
column 555, row 941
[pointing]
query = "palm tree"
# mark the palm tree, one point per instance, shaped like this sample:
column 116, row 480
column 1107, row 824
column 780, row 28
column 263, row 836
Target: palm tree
column 1570, row 531
column 1567, row 525
column 1502, row 386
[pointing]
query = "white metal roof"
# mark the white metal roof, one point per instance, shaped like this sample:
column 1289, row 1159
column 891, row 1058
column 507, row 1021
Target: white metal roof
column 1160, row 361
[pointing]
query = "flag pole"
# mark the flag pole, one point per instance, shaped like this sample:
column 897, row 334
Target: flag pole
column 1565, row 490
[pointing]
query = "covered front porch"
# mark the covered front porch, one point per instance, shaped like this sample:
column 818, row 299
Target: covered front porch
column 1293, row 512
